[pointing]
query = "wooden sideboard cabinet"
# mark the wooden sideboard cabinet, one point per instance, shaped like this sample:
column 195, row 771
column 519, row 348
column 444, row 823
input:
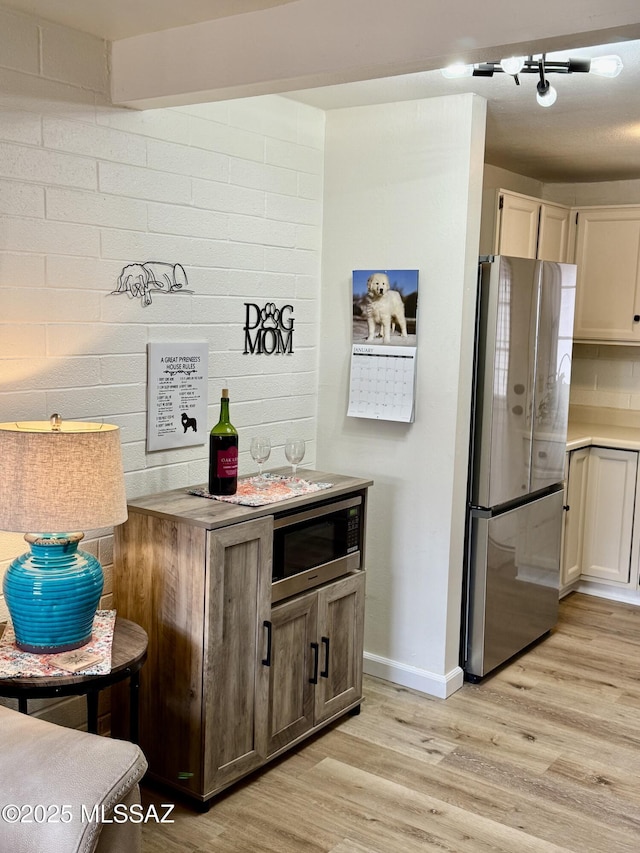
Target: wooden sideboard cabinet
column 230, row 682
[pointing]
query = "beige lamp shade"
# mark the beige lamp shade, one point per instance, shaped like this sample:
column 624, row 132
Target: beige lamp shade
column 60, row 479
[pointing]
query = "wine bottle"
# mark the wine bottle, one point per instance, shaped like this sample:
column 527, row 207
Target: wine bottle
column 223, row 453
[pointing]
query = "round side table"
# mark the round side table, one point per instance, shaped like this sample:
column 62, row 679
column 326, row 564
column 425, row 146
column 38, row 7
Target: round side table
column 128, row 653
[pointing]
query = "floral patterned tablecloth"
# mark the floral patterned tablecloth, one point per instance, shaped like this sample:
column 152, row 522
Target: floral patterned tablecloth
column 15, row 663
column 268, row 489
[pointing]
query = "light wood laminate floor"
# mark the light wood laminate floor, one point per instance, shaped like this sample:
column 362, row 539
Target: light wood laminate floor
column 542, row 756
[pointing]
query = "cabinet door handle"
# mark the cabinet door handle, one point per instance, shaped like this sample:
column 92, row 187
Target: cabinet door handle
column 315, row 648
column 636, row 318
column 267, row 661
column 325, row 671
column 566, row 507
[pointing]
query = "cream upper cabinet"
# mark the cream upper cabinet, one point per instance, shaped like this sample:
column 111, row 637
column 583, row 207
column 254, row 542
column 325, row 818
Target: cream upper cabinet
column 553, row 234
column 517, row 232
column 608, row 286
column 528, row 227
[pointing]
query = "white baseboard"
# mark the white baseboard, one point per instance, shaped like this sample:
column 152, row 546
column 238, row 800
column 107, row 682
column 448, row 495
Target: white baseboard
column 613, row 593
column 430, row 683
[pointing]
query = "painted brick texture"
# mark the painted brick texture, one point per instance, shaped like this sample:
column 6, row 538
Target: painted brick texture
column 232, row 191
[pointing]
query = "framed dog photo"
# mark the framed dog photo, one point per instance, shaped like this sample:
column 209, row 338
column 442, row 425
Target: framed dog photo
column 385, row 307
column 177, row 378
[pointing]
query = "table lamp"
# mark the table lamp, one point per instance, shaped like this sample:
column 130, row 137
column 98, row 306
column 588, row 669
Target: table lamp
column 57, row 477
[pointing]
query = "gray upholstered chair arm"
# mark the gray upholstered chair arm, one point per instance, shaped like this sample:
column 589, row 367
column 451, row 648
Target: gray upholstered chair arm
column 74, row 778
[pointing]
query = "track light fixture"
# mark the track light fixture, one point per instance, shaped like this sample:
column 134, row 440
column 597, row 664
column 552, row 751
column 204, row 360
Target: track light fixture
column 546, row 95
column 603, row 66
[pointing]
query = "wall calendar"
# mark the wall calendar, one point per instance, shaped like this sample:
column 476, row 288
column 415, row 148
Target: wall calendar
column 382, row 383
column 384, row 349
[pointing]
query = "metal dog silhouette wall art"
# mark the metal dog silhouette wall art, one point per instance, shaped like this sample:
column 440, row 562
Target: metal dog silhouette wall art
column 141, row 280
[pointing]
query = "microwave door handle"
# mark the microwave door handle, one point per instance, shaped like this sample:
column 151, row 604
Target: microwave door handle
column 318, row 512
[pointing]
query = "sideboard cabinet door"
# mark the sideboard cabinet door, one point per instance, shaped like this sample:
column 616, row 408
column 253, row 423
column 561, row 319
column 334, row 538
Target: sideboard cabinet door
column 291, row 688
column 236, row 680
column 341, row 633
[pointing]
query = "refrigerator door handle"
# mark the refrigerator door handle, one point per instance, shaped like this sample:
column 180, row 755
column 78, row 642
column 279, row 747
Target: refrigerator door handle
column 481, row 512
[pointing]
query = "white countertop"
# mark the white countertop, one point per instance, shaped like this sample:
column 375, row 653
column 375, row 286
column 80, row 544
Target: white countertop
column 605, row 435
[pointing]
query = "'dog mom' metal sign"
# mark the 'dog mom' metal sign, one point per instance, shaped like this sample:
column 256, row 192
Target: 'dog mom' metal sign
column 268, row 330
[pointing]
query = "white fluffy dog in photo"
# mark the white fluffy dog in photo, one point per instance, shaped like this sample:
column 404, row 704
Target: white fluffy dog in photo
column 383, row 307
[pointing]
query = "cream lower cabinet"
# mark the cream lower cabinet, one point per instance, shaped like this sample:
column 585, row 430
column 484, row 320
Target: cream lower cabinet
column 315, row 658
column 574, row 510
column 608, row 516
column 601, row 525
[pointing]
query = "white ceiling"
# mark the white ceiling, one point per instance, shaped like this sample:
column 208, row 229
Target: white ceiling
column 592, row 133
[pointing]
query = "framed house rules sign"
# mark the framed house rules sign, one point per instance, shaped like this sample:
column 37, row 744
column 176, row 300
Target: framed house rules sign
column 177, row 375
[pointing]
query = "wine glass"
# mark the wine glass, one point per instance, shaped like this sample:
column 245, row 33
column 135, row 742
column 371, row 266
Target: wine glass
column 260, row 451
column 294, row 451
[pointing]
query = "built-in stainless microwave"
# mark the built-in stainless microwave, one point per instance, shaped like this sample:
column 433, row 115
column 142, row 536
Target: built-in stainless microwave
column 316, row 545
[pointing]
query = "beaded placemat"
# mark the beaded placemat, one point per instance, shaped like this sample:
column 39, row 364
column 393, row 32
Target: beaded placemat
column 267, row 489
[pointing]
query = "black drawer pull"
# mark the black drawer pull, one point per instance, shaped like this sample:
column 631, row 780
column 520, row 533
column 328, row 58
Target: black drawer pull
column 636, row 318
column 325, row 671
column 316, row 651
column 267, row 661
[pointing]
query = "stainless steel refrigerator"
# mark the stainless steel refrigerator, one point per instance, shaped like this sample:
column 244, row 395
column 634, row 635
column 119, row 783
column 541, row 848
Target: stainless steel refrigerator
column 520, row 406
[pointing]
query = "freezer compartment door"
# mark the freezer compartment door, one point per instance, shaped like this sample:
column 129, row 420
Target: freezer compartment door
column 513, row 582
column 553, row 373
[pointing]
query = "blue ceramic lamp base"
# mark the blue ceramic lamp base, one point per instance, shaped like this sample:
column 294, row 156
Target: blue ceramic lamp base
column 52, row 593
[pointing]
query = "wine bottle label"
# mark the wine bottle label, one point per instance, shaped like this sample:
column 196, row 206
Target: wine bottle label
column 227, row 462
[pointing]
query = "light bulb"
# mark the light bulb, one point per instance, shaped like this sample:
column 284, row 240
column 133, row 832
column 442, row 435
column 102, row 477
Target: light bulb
column 513, row 64
column 606, row 66
column 458, row 69
column 546, row 95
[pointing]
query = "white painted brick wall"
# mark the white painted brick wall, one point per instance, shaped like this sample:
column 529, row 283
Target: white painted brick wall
column 19, row 42
column 138, row 182
column 74, row 57
column 21, row 199
column 232, row 191
column 46, row 167
column 227, row 197
column 86, row 139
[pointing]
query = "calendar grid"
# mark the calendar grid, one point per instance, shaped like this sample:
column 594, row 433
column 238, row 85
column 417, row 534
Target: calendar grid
column 382, row 383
